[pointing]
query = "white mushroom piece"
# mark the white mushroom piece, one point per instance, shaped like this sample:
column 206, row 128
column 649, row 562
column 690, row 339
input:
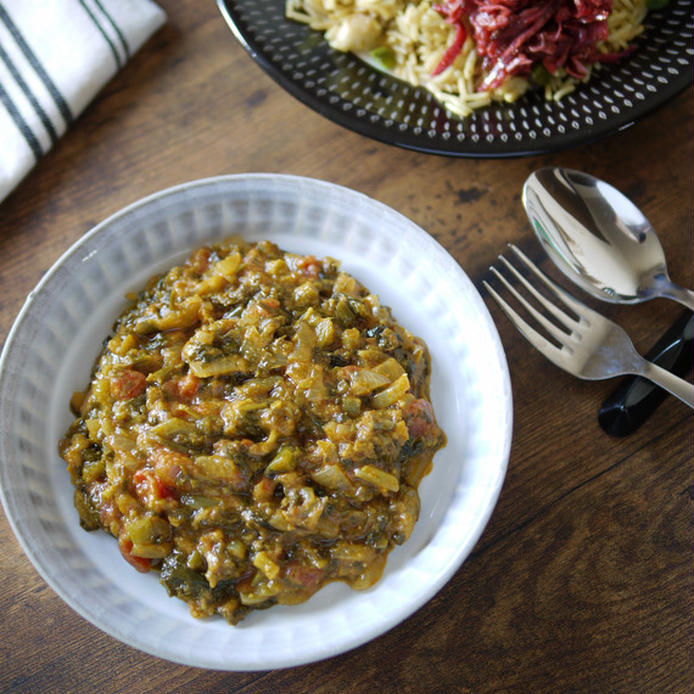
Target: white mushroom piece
column 355, row 33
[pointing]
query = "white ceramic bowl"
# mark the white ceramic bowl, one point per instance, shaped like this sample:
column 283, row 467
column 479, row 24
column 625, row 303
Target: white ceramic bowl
column 58, row 334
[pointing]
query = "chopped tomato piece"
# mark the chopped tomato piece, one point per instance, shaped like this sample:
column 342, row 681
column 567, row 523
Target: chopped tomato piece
column 149, row 487
column 419, row 418
column 184, row 389
column 268, row 306
column 168, row 464
column 188, row 387
column 128, row 384
column 307, row 577
column 125, row 546
column 309, row 266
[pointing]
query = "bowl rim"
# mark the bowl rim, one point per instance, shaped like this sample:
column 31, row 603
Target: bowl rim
column 455, row 562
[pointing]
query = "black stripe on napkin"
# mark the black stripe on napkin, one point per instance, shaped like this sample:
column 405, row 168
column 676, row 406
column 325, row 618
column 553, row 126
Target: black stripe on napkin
column 36, row 64
column 116, row 28
column 97, row 24
column 21, row 124
column 29, row 95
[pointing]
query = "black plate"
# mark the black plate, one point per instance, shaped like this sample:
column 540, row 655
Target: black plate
column 349, row 92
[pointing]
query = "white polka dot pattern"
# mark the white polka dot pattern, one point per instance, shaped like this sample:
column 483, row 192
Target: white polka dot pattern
column 344, row 89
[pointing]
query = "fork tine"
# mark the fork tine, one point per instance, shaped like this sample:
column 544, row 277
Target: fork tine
column 557, row 312
column 541, row 343
column 579, row 308
column 559, row 335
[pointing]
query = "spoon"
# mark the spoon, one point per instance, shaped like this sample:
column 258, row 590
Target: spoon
column 598, row 238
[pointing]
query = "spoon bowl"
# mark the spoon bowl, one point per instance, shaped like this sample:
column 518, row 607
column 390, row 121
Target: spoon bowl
column 598, row 238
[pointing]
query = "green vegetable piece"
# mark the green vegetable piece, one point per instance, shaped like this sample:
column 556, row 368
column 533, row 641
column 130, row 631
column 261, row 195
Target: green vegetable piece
column 195, row 561
column 351, row 405
column 385, row 56
column 657, row 4
column 539, row 75
column 284, row 461
column 198, row 501
column 344, row 313
column 182, row 581
column 141, row 530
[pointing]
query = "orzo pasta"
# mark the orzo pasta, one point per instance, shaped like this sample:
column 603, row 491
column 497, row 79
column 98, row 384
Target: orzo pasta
column 470, row 53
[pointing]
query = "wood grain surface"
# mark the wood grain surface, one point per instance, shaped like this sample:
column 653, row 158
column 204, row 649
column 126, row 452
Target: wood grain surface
column 583, row 579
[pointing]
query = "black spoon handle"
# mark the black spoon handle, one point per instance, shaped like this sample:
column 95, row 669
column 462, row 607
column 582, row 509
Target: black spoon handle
column 635, row 399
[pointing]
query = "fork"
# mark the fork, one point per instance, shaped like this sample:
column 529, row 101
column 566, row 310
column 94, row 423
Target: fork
column 594, row 348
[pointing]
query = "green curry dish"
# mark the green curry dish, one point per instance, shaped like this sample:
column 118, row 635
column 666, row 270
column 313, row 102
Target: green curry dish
column 256, row 426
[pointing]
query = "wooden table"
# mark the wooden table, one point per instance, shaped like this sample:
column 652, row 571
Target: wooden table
column 583, row 579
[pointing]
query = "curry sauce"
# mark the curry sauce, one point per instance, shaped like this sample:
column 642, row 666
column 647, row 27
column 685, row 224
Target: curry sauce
column 256, row 426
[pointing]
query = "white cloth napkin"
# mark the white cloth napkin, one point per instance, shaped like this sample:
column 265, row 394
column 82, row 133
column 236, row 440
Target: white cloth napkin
column 55, row 55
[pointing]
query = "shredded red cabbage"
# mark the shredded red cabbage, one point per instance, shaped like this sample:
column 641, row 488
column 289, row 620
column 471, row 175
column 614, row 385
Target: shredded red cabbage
column 512, row 36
